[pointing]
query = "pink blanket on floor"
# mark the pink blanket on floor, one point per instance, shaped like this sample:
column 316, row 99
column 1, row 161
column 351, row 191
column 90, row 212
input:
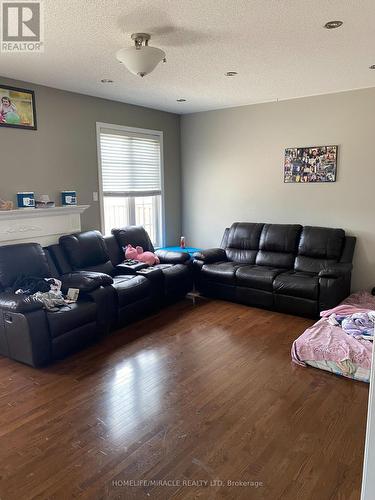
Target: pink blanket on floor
column 325, row 342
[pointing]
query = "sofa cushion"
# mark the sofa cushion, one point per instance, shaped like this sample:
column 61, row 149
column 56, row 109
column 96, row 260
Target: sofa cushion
column 275, row 259
column 223, row 272
column 259, row 277
column 243, row 242
column 88, row 251
column 278, row 245
column 135, row 236
column 297, row 284
column 280, row 238
column 311, row 265
column 71, row 317
column 115, row 251
column 131, row 289
column 23, row 259
column 321, row 242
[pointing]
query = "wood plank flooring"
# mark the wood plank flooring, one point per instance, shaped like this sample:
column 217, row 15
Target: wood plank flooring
column 175, row 406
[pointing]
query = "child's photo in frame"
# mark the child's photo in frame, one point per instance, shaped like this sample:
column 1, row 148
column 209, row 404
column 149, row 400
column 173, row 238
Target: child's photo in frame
column 17, row 108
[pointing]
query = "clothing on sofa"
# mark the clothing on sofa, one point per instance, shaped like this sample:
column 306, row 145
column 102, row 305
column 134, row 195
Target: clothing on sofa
column 51, row 301
column 29, row 285
column 45, row 290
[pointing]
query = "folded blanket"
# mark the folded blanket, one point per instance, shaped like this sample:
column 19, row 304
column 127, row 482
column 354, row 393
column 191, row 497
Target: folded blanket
column 325, row 341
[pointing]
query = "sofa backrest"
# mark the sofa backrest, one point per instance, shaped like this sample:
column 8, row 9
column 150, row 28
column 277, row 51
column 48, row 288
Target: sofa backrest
column 115, row 251
column 242, row 244
column 278, row 245
column 59, row 258
column 24, row 259
column 318, row 247
column 287, row 246
column 135, row 236
column 87, row 251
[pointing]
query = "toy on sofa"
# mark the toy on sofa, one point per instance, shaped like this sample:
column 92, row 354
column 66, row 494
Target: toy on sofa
column 137, row 253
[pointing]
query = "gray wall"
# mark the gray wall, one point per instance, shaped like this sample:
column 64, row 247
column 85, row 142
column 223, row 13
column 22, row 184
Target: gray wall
column 232, row 162
column 62, row 154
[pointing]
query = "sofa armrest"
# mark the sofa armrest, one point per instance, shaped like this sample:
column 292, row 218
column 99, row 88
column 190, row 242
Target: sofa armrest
column 19, row 303
column 126, row 269
column 85, row 281
column 211, row 255
column 336, row 270
column 168, row 257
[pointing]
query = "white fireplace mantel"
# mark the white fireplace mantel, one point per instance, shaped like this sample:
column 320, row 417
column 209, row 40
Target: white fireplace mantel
column 40, row 225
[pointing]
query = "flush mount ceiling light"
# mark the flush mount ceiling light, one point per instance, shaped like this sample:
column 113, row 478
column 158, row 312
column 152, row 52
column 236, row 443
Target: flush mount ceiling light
column 106, row 80
column 372, row 66
column 140, row 59
column 181, row 99
column 231, row 73
column 331, row 25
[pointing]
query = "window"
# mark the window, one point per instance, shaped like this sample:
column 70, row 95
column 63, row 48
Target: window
column 130, row 171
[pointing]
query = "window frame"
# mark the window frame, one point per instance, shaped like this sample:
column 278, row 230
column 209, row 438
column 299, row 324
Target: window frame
column 134, row 130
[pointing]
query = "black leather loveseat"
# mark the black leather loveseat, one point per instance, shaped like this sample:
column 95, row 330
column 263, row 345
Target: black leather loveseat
column 111, row 293
column 289, row 268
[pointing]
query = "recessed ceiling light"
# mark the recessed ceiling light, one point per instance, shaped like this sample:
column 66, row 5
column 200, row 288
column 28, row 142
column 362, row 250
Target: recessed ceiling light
column 372, row 66
column 181, row 99
column 331, row 25
column 231, row 73
column 106, row 80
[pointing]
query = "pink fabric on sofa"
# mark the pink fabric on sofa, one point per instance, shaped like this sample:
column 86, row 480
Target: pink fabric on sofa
column 325, row 342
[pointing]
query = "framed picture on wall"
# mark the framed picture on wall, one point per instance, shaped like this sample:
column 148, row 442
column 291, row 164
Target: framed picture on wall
column 310, row 164
column 17, row 108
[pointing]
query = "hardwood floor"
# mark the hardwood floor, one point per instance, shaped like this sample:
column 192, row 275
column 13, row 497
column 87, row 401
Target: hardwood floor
column 195, row 393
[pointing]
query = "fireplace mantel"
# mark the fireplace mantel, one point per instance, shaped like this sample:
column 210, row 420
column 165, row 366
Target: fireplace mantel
column 40, row 225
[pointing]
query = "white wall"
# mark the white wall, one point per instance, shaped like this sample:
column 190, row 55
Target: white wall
column 232, row 170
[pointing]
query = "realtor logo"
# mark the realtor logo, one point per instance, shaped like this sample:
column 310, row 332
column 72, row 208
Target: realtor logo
column 21, row 26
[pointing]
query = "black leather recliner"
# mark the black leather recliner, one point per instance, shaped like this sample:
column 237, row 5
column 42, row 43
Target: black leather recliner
column 290, row 268
column 176, row 276
column 87, row 251
column 32, row 335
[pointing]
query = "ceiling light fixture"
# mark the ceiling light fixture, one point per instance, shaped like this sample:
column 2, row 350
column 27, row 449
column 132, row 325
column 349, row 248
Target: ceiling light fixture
column 181, row 99
column 331, row 25
column 106, row 80
column 231, row 73
column 140, row 59
column 372, row 66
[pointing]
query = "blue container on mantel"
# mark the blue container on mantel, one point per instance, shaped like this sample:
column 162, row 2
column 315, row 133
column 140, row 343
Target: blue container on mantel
column 68, row 198
column 26, row 199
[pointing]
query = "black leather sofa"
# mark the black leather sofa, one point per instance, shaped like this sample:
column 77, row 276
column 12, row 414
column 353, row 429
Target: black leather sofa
column 32, row 335
column 289, row 268
column 112, row 293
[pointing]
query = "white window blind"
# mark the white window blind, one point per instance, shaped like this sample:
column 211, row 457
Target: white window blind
column 130, row 163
